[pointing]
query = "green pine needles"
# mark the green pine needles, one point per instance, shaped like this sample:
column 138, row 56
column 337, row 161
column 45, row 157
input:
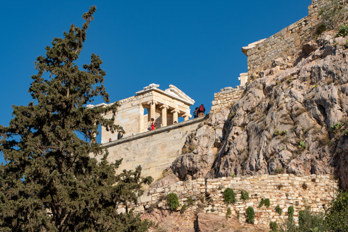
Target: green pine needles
column 50, row 181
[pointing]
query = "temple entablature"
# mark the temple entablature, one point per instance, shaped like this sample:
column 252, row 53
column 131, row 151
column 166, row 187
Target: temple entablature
column 135, row 113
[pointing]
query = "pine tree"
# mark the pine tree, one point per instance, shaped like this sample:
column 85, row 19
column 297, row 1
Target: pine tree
column 51, row 180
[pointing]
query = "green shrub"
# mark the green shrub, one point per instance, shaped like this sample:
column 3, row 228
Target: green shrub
column 336, row 126
column 281, row 133
column 291, row 213
column 309, row 221
column 229, row 196
column 228, row 213
column 183, row 208
column 278, row 210
column 302, row 145
column 190, row 201
column 244, row 195
column 343, row 31
column 250, row 215
column 279, row 170
column 172, row 201
column 321, row 28
column 336, row 218
column 273, row 226
column 265, row 202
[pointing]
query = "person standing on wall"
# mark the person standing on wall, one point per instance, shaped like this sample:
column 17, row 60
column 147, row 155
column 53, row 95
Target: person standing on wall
column 120, row 134
column 201, row 110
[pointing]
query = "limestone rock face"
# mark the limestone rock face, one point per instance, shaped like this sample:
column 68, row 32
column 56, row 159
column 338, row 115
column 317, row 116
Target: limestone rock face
column 201, row 148
column 292, row 120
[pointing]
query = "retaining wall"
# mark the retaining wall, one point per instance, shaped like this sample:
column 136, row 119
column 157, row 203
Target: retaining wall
column 153, row 150
column 314, row 191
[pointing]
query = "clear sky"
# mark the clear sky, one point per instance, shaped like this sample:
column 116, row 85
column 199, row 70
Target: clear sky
column 192, row 44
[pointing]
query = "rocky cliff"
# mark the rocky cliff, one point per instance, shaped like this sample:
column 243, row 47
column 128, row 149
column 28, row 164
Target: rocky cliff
column 292, row 119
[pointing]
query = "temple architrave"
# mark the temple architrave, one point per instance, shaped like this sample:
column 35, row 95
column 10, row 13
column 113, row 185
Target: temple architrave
column 134, row 113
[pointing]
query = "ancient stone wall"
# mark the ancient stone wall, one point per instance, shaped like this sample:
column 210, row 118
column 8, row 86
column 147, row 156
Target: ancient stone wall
column 286, row 43
column 284, row 190
column 153, row 150
column 226, row 98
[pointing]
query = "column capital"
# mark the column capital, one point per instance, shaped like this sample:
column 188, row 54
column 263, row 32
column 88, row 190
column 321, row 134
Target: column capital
column 164, row 107
column 152, row 102
column 175, row 111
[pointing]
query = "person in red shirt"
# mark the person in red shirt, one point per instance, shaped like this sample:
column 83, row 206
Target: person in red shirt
column 152, row 126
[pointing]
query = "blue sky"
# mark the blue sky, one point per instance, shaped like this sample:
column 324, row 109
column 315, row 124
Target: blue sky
column 192, row 44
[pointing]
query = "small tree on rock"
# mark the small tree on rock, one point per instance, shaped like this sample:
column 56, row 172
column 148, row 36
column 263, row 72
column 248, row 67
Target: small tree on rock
column 50, row 181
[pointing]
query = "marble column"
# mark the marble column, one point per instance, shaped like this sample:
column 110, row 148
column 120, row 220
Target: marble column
column 164, row 115
column 152, row 112
column 175, row 116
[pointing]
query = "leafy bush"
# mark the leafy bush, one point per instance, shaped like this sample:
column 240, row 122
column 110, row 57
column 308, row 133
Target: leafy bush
column 279, row 170
column 183, row 208
column 228, row 213
column 321, row 28
column 337, row 214
column 250, row 215
column 244, row 195
column 229, row 196
column 343, row 31
column 281, row 133
column 265, row 202
column 302, row 145
column 190, row 201
column 278, row 210
column 336, row 126
column 172, row 201
column 291, row 213
column 309, row 221
column 273, row 226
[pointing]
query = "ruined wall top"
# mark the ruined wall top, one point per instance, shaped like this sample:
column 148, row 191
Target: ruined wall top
column 288, row 42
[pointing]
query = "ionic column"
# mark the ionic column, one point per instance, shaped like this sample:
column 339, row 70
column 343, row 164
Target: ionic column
column 186, row 117
column 152, row 110
column 164, row 115
column 175, row 115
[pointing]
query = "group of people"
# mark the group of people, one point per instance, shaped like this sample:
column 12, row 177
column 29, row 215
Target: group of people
column 199, row 111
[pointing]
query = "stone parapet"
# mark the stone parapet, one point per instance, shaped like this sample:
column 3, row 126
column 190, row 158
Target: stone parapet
column 284, row 190
column 153, row 132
